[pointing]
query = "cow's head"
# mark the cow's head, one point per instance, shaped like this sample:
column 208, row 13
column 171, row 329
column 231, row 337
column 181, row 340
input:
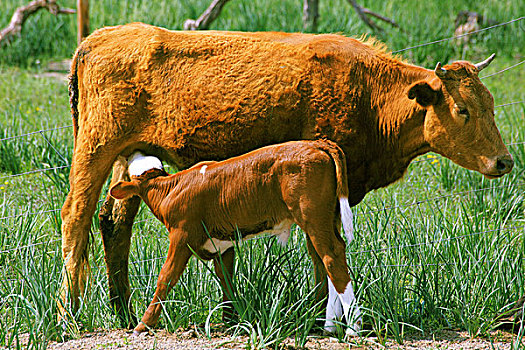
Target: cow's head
column 459, row 122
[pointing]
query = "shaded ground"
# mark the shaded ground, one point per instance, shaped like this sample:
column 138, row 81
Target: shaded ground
column 189, row 339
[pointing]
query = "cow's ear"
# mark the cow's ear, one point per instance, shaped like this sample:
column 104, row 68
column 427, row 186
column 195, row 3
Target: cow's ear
column 424, row 93
column 124, row 189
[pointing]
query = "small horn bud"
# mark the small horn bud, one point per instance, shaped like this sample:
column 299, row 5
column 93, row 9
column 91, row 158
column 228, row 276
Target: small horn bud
column 440, row 71
column 484, row 64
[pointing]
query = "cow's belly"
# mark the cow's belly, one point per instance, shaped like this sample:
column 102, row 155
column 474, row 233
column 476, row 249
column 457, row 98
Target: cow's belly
column 281, row 230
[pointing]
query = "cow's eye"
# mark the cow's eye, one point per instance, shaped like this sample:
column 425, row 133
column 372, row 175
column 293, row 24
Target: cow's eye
column 463, row 112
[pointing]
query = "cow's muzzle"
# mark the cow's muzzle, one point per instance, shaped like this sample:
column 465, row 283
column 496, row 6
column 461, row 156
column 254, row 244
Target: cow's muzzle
column 498, row 166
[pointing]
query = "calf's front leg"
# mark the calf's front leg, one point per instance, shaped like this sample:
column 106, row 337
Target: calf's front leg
column 178, row 256
column 224, row 270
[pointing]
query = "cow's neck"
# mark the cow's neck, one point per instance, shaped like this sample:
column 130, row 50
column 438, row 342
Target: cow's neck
column 394, row 136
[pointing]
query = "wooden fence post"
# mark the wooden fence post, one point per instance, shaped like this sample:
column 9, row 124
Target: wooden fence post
column 83, row 19
column 310, row 15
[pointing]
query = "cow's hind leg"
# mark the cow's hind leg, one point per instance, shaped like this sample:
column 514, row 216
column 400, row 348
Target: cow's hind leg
column 116, row 221
column 88, row 173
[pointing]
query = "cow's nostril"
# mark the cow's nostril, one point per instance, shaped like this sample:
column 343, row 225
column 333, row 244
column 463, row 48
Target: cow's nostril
column 504, row 164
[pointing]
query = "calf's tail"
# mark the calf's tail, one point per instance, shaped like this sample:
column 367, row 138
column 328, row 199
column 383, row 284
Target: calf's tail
column 339, row 159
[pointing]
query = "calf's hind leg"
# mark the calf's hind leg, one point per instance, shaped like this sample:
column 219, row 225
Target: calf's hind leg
column 116, row 221
column 322, row 228
column 319, row 274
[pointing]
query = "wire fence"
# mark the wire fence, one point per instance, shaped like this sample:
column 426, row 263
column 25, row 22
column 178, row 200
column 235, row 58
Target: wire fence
column 416, row 202
column 461, row 35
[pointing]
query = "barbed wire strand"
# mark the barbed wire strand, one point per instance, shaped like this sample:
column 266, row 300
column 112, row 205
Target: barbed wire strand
column 459, row 36
column 503, row 70
column 35, row 132
column 437, row 241
column 38, row 212
column 431, row 199
column 509, row 104
column 28, row 246
column 35, row 172
column 53, row 147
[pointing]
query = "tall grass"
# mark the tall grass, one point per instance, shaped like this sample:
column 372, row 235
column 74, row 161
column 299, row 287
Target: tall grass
column 442, row 249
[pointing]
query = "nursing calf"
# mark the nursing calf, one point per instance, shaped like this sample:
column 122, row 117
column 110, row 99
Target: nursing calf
column 265, row 191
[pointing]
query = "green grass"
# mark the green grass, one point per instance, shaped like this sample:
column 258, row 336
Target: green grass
column 442, row 249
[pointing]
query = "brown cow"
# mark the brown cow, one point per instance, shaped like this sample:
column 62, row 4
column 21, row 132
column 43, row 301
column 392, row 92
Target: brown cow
column 192, row 96
column 264, row 191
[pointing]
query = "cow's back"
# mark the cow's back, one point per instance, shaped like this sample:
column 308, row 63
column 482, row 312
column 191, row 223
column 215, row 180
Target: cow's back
column 203, row 95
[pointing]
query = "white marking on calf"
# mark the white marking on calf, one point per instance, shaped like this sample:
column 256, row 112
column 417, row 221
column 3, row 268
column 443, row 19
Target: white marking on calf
column 203, row 169
column 281, row 230
column 347, row 218
column 215, row 245
column 334, row 308
column 139, row 163
column 340, row 304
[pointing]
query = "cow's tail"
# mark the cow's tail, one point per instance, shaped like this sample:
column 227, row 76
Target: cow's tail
column 73, row 92
column 339, row 159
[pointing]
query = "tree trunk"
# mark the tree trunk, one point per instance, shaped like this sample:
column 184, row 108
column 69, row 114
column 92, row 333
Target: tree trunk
column 204, row 21
column 22, row 13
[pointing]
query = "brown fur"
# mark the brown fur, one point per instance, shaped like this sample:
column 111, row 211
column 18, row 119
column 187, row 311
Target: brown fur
column 192, row 96
column 298, row 180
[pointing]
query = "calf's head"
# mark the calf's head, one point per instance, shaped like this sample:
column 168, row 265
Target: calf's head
column 141, row 168
column 125, row 189
column 459, row 121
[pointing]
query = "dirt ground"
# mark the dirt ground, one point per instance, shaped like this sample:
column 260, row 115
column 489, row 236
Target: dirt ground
column 189, row 339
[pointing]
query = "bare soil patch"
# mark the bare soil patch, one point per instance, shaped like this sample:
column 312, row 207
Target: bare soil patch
column 190, row 339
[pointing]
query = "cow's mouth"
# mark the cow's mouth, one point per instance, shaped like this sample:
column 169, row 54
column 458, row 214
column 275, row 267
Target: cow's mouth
column 493, row 176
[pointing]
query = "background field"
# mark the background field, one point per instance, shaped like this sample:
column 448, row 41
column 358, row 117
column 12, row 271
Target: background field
column 443, row 249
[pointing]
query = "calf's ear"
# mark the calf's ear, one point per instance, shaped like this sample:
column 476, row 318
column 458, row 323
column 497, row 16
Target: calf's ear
column 123, row 189
column 424, row 93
